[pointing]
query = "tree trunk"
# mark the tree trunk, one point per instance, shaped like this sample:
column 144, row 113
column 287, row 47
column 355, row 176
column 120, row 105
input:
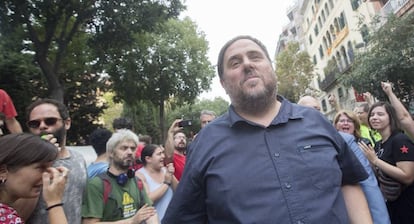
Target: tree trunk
column 55, row 89
column 162, row 123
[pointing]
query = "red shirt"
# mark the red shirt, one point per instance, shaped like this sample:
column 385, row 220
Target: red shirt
column 6, row 105
column 179, row 162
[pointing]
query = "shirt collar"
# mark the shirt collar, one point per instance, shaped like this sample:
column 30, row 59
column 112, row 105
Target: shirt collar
column 287, row 111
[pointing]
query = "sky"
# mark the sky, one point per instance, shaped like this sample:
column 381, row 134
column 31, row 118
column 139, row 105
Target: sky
column 221, row 20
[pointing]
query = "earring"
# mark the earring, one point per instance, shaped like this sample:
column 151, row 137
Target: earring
column 2, row 181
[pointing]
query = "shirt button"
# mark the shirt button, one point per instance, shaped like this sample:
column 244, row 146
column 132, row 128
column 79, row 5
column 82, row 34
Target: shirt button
column 288, row 186
column 277, row 154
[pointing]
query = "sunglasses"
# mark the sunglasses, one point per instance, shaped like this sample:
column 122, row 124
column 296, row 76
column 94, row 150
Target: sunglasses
column 49, row 121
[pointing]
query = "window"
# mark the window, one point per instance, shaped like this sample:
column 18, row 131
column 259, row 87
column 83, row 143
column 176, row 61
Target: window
column 340, row 93
column 327, row 9
column 315, row 61
column 342, row 21
column 324, row 107
column 310, row 40
column 355, row 4
column 331, row 4
column 321, row 51
column 316, row 29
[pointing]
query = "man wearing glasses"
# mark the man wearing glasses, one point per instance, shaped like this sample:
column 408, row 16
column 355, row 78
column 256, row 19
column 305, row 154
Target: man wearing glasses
column 50, row 119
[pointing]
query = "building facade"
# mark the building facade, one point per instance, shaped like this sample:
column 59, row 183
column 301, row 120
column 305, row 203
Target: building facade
column 332, row 31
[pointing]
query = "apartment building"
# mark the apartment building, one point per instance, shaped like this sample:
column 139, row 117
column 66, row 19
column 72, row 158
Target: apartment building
column 332, row 31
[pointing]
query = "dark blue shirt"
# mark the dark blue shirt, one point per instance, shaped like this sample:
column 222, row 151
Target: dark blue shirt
column 289, row 172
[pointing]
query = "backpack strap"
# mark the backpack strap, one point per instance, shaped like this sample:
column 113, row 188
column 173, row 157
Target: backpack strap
column 140, row 187
column 107, row 187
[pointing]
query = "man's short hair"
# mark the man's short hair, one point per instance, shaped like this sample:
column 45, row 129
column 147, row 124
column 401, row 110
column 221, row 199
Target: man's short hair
column 208, row 112
column 98, row 139
column 120, row 136
column 365, row 107
column 63, row 110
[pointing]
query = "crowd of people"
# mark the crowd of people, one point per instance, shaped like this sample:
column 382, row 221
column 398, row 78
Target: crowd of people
column 266, row 160
column 381, row 132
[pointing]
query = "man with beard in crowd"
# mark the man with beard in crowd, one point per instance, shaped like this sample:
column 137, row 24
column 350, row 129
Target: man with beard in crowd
column 266, row 160
column 117, row 194
column 176, row 148
column 50, row 119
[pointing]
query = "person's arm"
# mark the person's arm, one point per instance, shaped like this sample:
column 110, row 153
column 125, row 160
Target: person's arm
column 13, row 125
column 145, row 214
column 356, row 204
column 403, row 171
column 368, row 98
column 54, row 182
column 406, row 121
column 334, row 103
column 174, row 181
column 156, row 194
column 169, row 142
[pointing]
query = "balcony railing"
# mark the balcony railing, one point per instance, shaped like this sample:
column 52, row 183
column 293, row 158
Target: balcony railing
column 332, row 77
column 329, row 80
column 393, row 6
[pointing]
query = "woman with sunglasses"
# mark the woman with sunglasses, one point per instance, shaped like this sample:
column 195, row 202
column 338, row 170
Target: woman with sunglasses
column 394, row 161
column 23, row 173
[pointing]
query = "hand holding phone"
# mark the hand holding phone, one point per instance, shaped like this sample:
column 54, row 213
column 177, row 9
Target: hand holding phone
column 185, row 123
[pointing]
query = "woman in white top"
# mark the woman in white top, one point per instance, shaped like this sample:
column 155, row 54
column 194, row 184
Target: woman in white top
column 159, row 180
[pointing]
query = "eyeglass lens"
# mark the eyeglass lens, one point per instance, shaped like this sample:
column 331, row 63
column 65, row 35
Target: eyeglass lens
column 49, row 121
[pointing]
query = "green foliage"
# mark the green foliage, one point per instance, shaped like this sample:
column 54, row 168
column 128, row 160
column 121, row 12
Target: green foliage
column 192, row 112
column 169, row 63
column 114, row 110
column 294, row 70
column 145, row 117
column 389, row 56
column 66, row 44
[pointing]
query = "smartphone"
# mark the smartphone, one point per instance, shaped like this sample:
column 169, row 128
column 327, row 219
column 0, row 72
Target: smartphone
column 185, row 123
column 366, row 141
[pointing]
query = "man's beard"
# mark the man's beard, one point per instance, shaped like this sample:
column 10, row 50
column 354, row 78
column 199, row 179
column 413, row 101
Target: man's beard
column 252, row 103
column 181, row 148
column 121, row 165
column 59, row 134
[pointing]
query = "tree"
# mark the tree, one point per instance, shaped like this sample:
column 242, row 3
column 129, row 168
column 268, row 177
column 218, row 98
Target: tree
column 294, row 70
column 388, row 56
column 170, row 63
column 48, row 28
column 56, row 49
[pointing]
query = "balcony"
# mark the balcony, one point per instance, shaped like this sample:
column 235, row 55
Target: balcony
column 329, row 81
column 398, row 7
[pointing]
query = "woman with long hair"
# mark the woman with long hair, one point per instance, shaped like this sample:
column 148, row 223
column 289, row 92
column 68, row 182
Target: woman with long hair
column 346, row 121
column 394, row 162
column 25, row 169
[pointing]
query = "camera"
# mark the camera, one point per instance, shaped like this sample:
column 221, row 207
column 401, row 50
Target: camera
column 185, row 123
